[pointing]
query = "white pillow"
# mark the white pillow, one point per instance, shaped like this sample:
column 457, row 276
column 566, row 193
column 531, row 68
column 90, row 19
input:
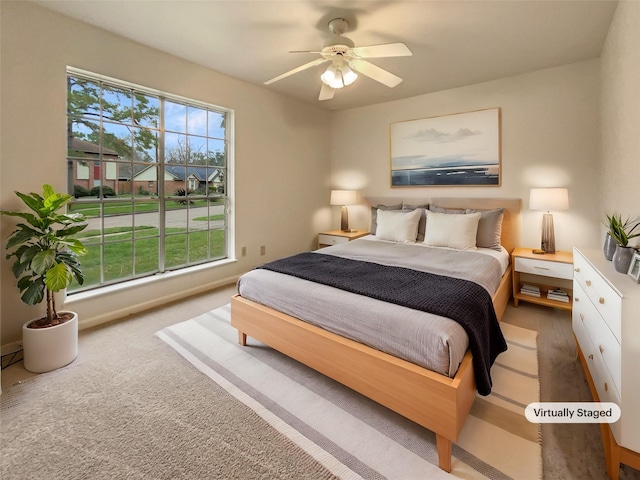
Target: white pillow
column 398, row 226
column 454, row 231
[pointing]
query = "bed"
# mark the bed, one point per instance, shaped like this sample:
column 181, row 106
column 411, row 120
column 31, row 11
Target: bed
column 435, row 400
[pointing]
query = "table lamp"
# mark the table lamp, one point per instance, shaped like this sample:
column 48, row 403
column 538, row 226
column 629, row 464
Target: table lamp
column 344, row 198
column 548, row 199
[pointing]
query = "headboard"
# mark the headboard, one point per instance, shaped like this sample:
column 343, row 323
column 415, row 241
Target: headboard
column 511, row 223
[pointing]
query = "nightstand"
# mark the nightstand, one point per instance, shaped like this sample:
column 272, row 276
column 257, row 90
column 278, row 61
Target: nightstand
column 333, row 237
column 545, row 271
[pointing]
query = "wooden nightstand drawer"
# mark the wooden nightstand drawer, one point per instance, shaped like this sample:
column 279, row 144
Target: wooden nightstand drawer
column 331, row 239
column 549, row 272
column 544, row 268
column 336, row 237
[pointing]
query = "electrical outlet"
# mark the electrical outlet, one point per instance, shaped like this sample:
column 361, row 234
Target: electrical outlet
column 243, row 251
column 263, row 249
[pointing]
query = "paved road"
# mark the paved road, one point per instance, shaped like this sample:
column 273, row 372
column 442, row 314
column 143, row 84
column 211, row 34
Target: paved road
column 174, row 219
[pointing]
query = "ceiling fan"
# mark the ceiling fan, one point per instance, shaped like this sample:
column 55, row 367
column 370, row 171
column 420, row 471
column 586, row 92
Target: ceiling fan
column 345, row 57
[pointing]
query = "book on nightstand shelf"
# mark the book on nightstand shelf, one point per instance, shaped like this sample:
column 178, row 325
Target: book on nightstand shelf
column 530, row 290
column 558, row 295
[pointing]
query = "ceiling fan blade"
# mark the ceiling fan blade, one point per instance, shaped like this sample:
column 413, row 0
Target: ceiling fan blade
column 386, row 50
column 315, row 62
column 376, row 73
column 326, row 92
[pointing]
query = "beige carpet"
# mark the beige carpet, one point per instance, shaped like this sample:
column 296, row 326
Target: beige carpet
column 356, row 438
column 131, row 408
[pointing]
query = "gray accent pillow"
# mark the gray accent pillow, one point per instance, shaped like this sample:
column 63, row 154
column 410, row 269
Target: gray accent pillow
column 422, row 225
column 435, row 208
column 489, row 227
column 374, row 215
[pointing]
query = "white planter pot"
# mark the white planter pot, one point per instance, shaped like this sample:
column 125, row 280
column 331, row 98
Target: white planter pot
column 46, row 349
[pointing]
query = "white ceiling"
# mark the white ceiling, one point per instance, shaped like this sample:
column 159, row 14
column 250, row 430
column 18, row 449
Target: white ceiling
column 454, row 43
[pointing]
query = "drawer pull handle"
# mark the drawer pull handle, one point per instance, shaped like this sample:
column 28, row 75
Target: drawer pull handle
column 582, row 317
column 591, row 356
column 601, row 348
column 601, row 300
column 588, row 283
column 576, row 269
column 606, row 387
column 541, row 268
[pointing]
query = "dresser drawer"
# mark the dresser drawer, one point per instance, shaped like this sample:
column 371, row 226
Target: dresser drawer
column 545, row 268
column 604, row 386
column 331, row 239
column 599, row 292
column 603, row 342
column 599, row 374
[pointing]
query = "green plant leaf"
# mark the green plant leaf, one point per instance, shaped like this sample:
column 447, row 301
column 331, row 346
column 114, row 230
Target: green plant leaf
column 71, row 260
column 58, row 277
column 27, row 252
column 33, row 201
column 29, row 217
column 34, row 294
column 71, row 230
column 43, row 261
column 22, row 235
column 47, row 191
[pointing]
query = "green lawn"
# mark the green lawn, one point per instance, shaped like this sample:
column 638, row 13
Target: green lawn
column 124, row 259
column 92, row 209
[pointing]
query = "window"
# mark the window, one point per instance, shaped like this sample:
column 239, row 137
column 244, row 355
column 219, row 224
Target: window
column 150, row 172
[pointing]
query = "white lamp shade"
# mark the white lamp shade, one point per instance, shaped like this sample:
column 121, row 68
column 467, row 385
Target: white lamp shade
column 344, row 197
column 329, row 76
column 348, row 75
column 549, row 199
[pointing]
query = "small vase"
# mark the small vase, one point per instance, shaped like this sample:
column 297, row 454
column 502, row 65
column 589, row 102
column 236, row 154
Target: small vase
column 609, row 247
column 622, row 258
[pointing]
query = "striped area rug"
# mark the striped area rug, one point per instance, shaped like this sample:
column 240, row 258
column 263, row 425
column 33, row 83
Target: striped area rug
column 356, row 438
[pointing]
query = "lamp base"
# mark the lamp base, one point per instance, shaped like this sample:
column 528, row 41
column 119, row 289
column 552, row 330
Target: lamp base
column 344, row 219
column 548, row 241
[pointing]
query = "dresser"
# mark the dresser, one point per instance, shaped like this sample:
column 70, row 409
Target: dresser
column 606, row 324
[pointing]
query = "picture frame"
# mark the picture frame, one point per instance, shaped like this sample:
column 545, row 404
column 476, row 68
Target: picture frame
column 461, row 149
column 634, row 267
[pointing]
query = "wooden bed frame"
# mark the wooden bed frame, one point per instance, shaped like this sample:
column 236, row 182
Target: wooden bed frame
column 437, row 402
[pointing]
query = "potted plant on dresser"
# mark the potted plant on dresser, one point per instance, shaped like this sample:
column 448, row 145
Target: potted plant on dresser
column 621, row 232
column 46, row 262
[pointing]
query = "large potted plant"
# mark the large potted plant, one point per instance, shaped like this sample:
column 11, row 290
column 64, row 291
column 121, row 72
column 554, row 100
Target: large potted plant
column 46, row 262
column 621, row 231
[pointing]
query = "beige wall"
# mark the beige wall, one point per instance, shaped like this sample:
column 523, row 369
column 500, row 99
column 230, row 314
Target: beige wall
column 620, row 114
column 282, row 166
column 575, row 126
column 549, row 139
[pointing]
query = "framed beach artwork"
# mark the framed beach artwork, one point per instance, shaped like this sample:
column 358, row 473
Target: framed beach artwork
column 462, row 149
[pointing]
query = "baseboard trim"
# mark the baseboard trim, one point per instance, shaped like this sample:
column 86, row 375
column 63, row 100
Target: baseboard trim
column 10, row 348
column 154, row 303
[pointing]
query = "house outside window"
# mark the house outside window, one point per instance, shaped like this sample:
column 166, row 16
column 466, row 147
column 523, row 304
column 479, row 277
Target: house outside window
column 149, row 171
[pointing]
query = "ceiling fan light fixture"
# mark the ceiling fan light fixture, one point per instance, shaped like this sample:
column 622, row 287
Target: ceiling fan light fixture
column 348, row 75
column 331, row 76
column 338, row 76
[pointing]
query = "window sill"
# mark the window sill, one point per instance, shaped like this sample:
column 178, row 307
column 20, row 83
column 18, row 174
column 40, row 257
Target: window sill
column 140, row 282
